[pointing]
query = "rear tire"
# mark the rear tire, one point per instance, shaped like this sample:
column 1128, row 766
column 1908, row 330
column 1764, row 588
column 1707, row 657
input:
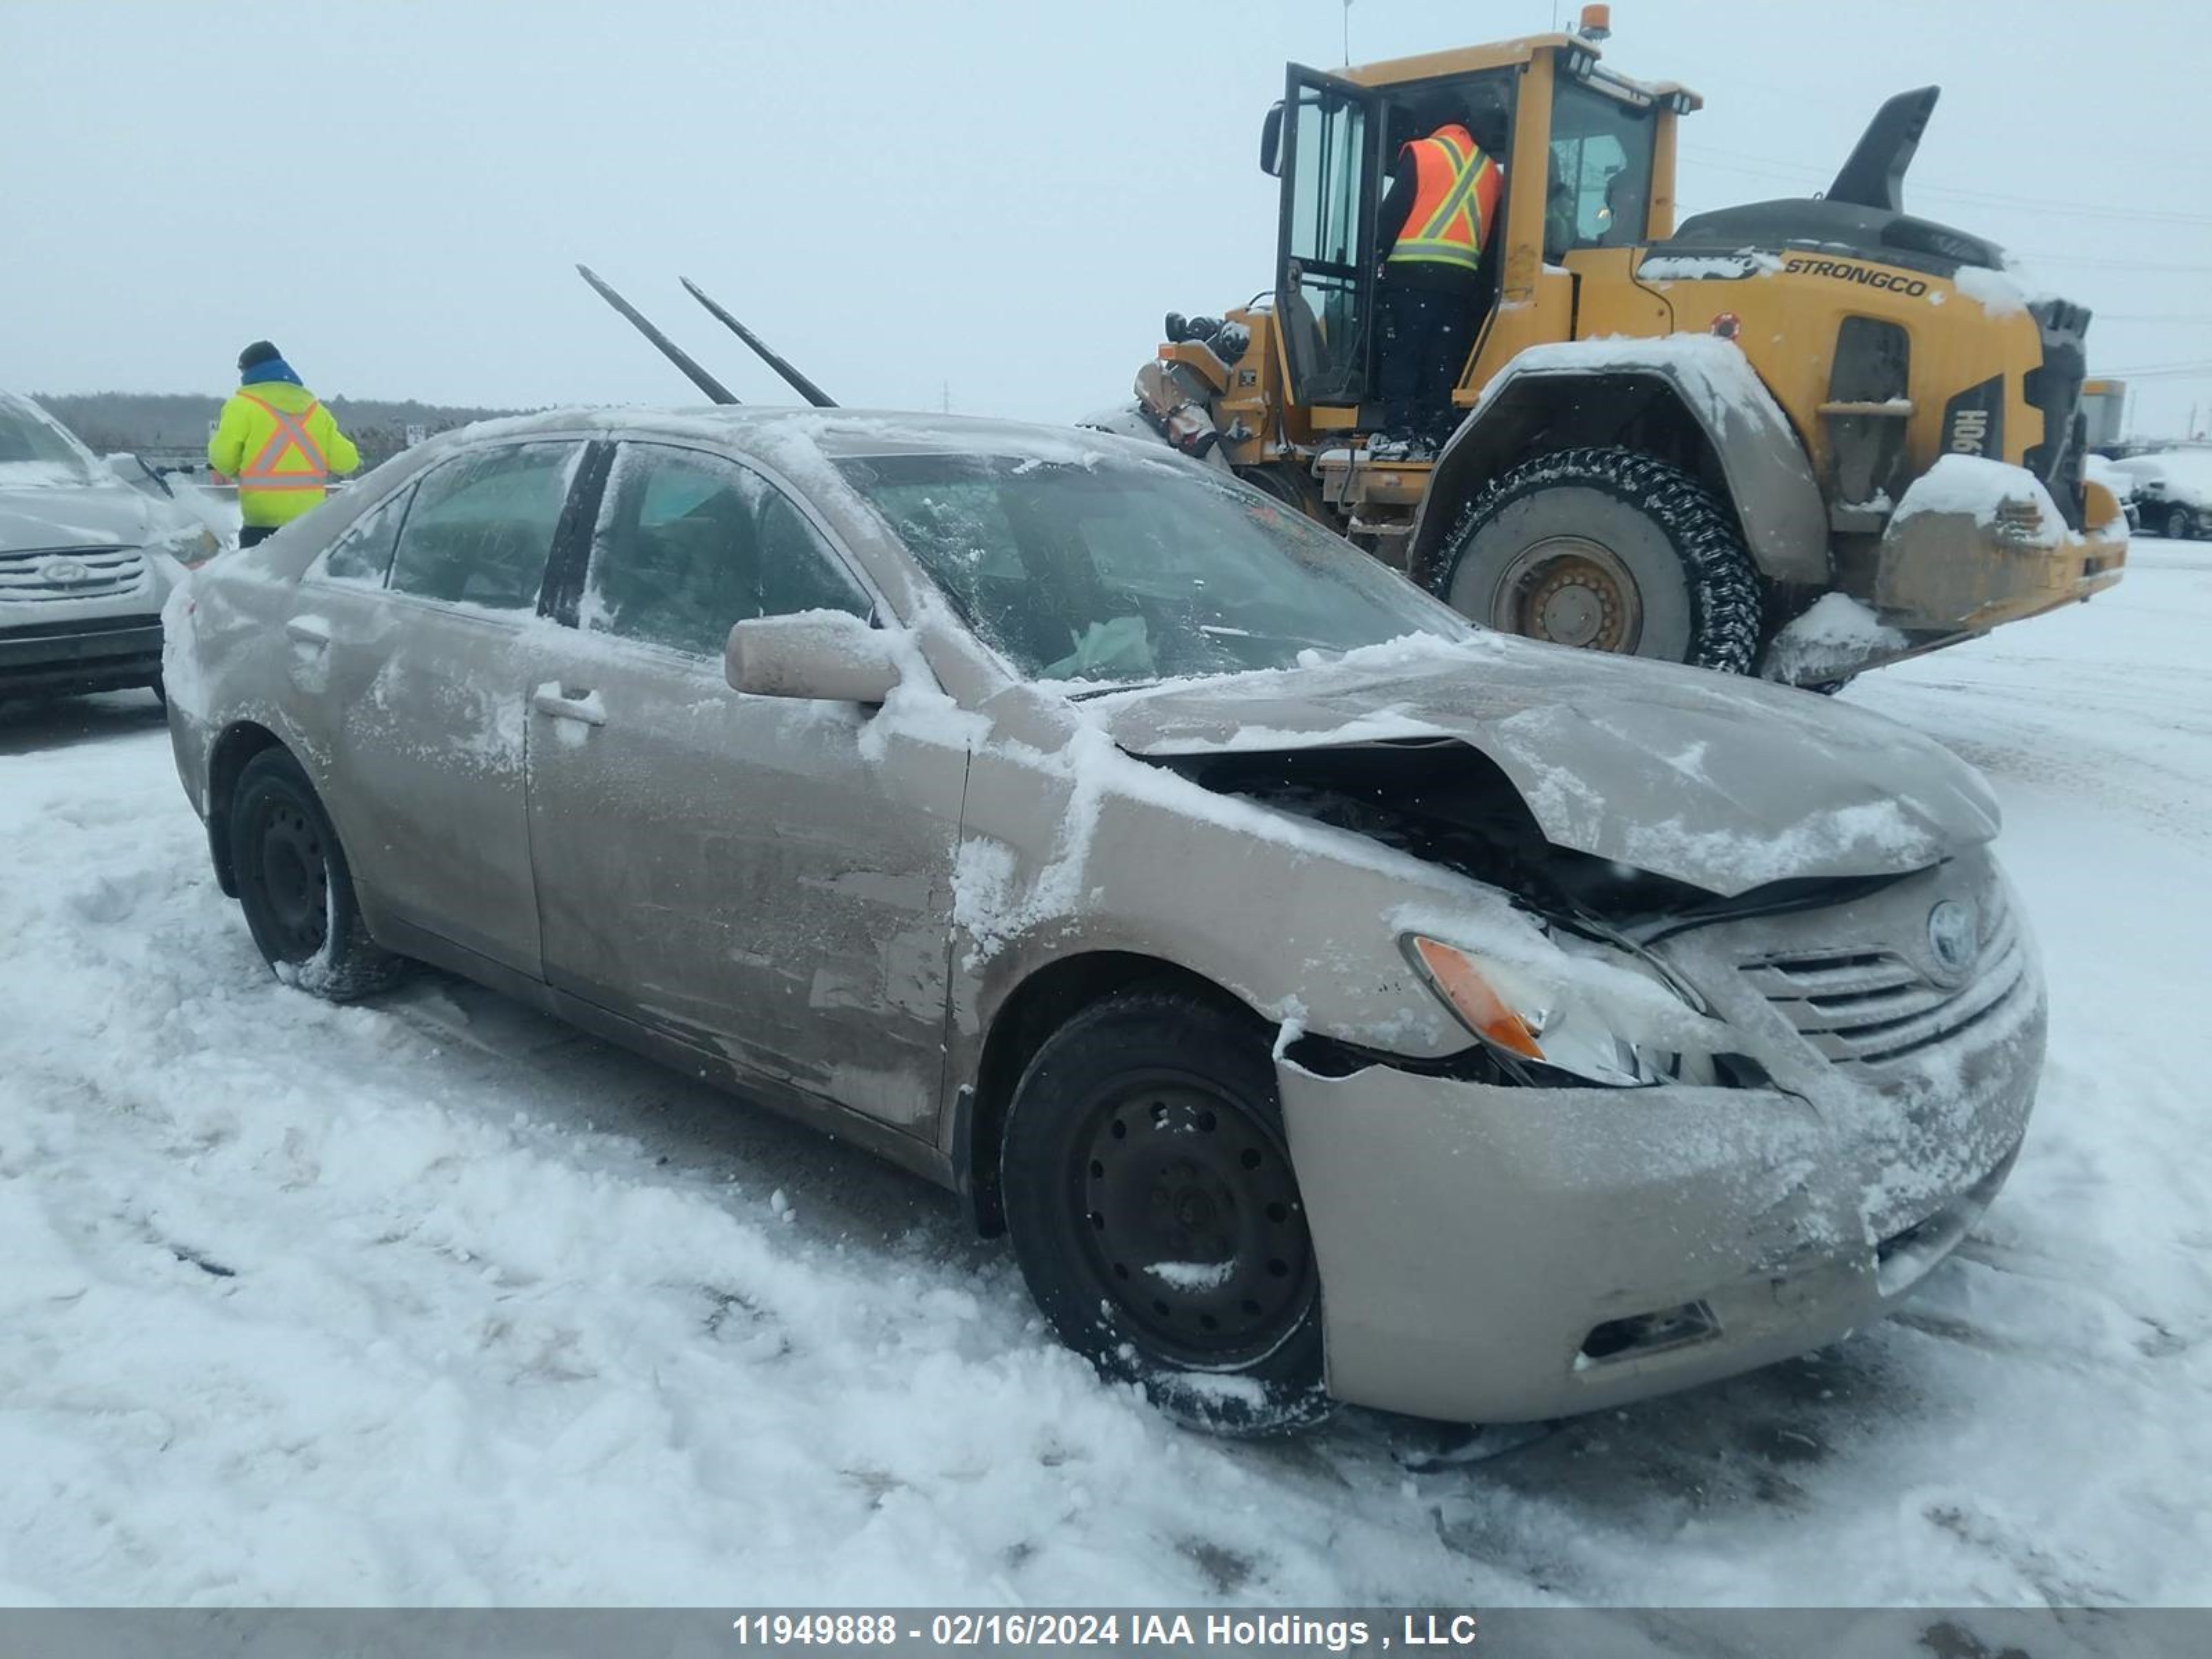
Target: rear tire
column 295, row 887
column 1611, row 551
column 1155, row 1215
column 2178, row 525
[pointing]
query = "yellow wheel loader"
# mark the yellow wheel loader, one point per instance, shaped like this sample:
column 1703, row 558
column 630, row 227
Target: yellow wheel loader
column 1678, row 441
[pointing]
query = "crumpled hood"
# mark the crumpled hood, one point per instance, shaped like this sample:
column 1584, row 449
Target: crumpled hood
column 1722, row 783
column 103, row 514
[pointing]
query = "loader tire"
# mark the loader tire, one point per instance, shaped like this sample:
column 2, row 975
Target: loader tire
column 1611, row 551
column 1290, row 486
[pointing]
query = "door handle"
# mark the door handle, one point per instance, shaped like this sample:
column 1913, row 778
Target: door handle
column 555, row 699
column 309, row 630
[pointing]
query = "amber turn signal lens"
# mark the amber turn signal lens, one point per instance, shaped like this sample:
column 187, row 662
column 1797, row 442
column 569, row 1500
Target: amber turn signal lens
column 1482, row 1008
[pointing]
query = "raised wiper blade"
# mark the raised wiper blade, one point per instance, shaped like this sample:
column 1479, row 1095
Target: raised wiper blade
column 699, row 377
column 798, row 382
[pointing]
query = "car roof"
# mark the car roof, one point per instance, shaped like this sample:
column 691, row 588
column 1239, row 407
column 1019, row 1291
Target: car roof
column 837, row 434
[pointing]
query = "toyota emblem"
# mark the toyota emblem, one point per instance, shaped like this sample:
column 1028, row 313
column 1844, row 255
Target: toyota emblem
column 1954, row 936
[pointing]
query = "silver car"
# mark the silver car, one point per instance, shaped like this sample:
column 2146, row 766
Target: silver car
column 85, row 562
column 1332, row 1001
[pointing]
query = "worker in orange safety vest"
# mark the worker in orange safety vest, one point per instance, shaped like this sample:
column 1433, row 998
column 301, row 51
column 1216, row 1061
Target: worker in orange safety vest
column 1435, row 224
column 278, row 441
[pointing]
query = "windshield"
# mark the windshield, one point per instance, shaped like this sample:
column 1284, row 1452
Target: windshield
column 33, row 445
column 1599, row 191
column 1119, row 572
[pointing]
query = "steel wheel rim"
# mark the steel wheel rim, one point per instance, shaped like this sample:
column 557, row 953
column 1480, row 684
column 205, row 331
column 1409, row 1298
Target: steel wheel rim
column 2177, row 526
column 295, row 880
column 1571, row 591
column 1190, row 1220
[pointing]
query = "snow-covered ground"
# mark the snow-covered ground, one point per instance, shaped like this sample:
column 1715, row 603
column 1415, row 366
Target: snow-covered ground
column 433, row 1300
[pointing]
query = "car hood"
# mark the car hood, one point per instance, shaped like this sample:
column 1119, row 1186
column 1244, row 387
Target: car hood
column 1724, row 783
column 103, row 514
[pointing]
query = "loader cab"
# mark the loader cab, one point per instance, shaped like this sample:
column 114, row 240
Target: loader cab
column 1604, row 179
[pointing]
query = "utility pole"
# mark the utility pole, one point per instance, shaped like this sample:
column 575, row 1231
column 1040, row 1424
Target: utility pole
column 945, row 397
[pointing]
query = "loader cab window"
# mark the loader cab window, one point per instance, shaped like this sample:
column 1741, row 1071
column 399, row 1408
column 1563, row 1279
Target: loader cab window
column 1598, row 193
column 1328, row 237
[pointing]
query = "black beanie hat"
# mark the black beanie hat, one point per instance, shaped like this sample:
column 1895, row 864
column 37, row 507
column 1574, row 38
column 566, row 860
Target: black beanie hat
column 259, row 352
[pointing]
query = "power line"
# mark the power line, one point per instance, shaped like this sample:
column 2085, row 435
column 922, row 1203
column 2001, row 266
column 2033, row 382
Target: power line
column 2113, row 264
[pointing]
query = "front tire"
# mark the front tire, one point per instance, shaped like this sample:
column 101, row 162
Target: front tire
column 295, row 887
column 2178, row 525
column 1610, row 550
column 1156, row 1214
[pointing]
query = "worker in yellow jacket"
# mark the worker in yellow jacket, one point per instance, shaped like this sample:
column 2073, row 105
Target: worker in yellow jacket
column 278, row 441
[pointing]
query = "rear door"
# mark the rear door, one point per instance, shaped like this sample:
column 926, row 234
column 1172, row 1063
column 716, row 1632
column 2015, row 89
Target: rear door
column 748, row 875
column 1325, row 279
column 425, row 680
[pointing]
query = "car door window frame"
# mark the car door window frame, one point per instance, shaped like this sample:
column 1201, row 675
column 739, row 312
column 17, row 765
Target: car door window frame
column 318, row 572
column 576, row 571
column 578, row 504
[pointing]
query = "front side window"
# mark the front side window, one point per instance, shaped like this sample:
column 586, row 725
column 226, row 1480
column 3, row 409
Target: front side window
column 689, row 545
column 1122, row 571
column 363, row 553
column 1599, row 191
column 482, row 526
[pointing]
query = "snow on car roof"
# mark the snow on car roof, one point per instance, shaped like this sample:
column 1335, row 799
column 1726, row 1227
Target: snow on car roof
column 835, row 434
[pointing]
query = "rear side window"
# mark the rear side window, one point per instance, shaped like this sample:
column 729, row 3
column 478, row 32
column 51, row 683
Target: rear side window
column 689, row 545
column 482, row 526
column 364, row 553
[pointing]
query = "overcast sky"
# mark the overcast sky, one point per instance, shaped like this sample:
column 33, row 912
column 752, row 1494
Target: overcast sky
column 980, row 200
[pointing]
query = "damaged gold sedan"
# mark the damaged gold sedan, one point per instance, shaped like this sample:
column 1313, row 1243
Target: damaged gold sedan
column 1334, row 1001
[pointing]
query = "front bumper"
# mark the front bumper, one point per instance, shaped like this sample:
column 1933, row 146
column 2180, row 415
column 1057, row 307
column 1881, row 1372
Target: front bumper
column 1949, row 575
column 1498, row 1255
column 1501, row 1255
column 94, row 655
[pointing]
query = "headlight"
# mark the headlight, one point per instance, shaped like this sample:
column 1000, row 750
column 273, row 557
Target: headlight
column 190, row 546
column 1523, row 1020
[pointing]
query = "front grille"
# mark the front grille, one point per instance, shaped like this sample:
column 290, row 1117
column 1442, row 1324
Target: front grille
column 45, row 574
column 2055, row 388
column 1871, row 1008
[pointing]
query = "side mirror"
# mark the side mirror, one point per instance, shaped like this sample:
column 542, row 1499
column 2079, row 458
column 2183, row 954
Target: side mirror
column 1271, row 141
column 828, row 655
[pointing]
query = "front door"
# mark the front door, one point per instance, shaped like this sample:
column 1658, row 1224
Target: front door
column 1324, row 282
column 748, row 875
column 426, row 681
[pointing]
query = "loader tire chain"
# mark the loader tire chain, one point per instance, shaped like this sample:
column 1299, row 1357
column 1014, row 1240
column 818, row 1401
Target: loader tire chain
column 1724, row 600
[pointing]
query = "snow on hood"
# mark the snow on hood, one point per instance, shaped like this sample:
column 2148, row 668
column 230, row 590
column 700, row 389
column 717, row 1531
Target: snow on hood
column 100, row 512
column 1720, row 782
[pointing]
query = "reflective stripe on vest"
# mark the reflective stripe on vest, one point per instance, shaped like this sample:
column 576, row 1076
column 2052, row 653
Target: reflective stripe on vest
column 291, row 434
column 1455, row 195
